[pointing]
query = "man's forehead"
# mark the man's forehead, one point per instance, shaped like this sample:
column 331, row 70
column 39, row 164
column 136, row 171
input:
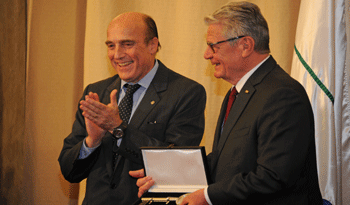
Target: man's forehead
column 130, row 16
column 214, row 31
column 120, row 31
column 129, row 20
column 126, row 26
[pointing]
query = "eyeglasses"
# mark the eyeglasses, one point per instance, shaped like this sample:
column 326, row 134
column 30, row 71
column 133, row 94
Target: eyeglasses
column 211, row 45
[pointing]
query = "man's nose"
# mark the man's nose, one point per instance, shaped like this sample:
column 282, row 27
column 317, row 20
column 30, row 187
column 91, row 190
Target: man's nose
column 208, row 53
column 119, row 52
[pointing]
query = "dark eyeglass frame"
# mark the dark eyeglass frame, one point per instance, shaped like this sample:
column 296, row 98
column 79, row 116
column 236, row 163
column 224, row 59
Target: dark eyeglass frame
column 211, row 45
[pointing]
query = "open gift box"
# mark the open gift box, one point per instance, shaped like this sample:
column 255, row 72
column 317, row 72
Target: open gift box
column 176, row 171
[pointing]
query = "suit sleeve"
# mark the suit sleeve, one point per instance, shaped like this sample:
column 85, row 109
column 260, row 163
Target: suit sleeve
column 73, row 169
column 283, row 132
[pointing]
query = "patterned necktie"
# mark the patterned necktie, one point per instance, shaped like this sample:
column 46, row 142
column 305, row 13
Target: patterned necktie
column 125, row 105
column 231, row 99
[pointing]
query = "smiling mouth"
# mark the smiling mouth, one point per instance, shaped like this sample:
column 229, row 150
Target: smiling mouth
column 215, row 64
column 125, row 64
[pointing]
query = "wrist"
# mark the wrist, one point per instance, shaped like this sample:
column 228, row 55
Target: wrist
column 91, row 143
column 119, row 131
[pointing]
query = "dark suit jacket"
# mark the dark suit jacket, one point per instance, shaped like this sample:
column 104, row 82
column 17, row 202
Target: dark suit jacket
column 266, row 151
column 171, row 112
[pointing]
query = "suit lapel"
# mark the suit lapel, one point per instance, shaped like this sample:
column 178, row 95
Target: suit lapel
column 238, row 107
column 149, row 101
column 220, row 119
column 151, row 98
column 115, row 85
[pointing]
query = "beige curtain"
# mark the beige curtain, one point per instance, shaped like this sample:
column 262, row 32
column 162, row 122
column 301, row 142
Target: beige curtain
column 66, row 51
column 56, row 32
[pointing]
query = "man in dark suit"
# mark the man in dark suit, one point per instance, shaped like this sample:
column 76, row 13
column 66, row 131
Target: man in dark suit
column 167, row 108
column 264, row 148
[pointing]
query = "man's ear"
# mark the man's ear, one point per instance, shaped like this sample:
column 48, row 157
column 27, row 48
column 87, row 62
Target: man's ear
column 248, row 44
column 153, row 45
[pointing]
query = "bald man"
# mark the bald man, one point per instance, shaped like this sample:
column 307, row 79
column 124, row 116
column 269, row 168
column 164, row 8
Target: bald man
column 166, row 108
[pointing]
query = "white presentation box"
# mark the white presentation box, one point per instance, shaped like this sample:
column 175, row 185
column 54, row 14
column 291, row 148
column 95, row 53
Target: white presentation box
column 176, row 171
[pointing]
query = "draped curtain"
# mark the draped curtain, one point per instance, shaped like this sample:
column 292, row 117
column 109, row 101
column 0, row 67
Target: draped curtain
column 322, row 69
column 12, row 98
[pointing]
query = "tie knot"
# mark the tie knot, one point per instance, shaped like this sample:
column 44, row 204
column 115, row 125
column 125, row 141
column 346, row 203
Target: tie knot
column 233, row 92
column 130, row 89
column 231, row 99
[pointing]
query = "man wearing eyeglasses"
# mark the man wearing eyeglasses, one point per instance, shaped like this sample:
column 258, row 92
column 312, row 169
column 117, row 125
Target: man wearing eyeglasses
column 264, row 144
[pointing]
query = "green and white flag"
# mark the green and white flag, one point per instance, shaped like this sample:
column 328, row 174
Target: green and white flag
column 319, row 64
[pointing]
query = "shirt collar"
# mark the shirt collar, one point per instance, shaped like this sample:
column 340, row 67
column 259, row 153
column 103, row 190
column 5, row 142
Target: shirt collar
column 145, row 81
column 244, row 79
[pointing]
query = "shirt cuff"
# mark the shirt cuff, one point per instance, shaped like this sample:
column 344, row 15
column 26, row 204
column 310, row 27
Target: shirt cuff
column 206, row 195
column 85, row 151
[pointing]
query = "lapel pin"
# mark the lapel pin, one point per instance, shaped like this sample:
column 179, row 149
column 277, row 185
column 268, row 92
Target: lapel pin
column 152, row 102
column 246, row 91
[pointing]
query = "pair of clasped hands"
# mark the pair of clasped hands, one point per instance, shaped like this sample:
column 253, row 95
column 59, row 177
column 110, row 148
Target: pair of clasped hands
column 101, row 118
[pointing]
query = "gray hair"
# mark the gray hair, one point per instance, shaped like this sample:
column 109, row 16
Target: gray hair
column 243, row 18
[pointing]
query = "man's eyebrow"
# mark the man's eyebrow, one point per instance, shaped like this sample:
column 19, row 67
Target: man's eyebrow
column 127, row 41
column 121, row 41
